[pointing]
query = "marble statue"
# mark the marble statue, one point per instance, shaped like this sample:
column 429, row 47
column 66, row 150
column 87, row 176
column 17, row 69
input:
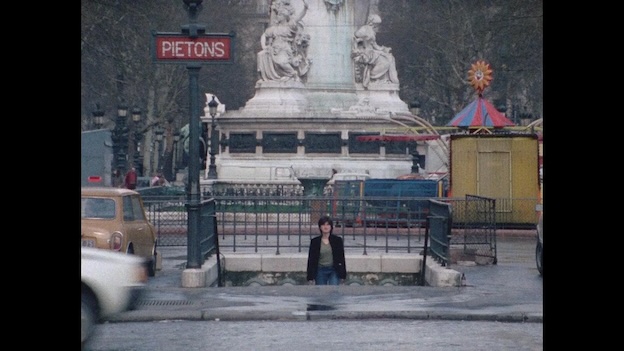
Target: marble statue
column 333, row 5
column 284, row 45
column 373, row 62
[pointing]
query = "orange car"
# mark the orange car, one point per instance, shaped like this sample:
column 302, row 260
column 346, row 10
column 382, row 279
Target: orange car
column 114, row 219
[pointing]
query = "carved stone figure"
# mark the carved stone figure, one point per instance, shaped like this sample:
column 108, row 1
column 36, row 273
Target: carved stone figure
column 284, row 45
column 333, row 5
column 373, row 62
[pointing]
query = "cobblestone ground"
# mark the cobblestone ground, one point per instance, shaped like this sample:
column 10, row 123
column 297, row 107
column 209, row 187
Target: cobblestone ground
column 365, row 335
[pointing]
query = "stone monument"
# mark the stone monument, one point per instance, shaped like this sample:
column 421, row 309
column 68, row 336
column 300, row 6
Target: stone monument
column 323, row 79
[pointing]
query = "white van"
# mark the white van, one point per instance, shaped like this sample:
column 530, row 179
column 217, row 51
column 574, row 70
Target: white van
column 329, row 186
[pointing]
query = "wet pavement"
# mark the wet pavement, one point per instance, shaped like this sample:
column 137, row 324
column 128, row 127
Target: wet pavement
column 510, row 290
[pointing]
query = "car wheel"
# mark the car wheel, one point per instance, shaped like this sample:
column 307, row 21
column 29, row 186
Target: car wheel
column 88, row 318
column 151, row 268
column 539, row 258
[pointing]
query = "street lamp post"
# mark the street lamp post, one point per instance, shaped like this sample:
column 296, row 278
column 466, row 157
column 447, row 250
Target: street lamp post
column 415, row 159
column 176, row 150
column 214, row 143
column 193, row 30
column 159, row 137
column 120, row 137
column 136, row 123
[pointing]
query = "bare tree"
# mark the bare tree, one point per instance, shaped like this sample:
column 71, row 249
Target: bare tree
column 434, row 43
column 117, row 66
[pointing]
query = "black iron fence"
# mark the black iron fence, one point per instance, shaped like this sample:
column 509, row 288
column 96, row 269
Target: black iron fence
column 439, row 223
column 276, row 224
column 208, row 236
column 475, row 227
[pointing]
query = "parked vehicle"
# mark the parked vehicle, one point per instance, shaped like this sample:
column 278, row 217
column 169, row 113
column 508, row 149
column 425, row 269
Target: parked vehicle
column 114, row 219
column 97, row 156
column 143, row 182
column 344, row 177
column 385, row 202
column 111, row 283
column 539, row 249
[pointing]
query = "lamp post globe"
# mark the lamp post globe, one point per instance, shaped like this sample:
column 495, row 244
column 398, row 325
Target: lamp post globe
column 501, row 108
column 98, row 117
column 136, row 115
column 122, row 110
column 159, row 133
column 415, row 107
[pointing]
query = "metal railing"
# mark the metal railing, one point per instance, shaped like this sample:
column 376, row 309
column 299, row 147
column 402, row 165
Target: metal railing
column 208, row 236
column 439, row 224
column 475, row 226
column 277, row 224
column 264, row 223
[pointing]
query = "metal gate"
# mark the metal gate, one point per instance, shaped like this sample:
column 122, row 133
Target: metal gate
column 474, row 228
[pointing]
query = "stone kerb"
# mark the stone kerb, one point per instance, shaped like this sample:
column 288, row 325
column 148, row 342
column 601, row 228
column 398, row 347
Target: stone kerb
column 441, row 276
column 372, row 269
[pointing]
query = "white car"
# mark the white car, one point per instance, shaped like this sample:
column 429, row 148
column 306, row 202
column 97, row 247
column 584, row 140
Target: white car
column 112, row 282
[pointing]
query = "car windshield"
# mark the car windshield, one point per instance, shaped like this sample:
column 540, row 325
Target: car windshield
column 97, row 208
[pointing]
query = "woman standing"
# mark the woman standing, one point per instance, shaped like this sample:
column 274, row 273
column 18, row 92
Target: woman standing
column 326, row 258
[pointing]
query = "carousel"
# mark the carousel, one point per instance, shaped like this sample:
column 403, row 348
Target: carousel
column 477, row 118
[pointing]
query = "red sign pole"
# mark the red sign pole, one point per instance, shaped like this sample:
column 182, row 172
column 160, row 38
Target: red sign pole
column 193, row 47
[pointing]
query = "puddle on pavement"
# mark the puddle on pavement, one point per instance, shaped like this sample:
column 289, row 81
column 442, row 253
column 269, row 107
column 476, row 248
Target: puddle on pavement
column 318, row 307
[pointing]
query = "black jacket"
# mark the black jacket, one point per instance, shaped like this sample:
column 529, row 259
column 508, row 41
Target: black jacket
column 314, row 252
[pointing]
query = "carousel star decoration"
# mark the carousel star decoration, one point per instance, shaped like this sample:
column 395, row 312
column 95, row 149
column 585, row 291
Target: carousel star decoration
column 480, row 75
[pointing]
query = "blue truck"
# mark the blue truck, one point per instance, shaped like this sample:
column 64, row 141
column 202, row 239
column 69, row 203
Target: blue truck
column 383, row 202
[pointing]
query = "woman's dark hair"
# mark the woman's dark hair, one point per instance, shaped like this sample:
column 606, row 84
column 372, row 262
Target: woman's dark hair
column 325, row 219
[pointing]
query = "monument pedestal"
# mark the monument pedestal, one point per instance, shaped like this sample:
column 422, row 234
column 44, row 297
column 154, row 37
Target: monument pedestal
column 305, row 128
column 277, row 98
column 383, row 96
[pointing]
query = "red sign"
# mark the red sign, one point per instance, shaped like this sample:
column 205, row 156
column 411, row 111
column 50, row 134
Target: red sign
column 179, row 48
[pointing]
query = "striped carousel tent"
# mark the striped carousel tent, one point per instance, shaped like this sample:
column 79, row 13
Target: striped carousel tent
column 480, row 114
